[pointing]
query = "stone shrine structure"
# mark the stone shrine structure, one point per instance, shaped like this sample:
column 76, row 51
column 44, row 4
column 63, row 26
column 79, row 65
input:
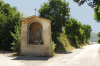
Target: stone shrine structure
column 35, row 36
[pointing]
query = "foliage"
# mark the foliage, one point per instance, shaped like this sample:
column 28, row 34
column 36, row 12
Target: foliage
column 9, row 17
column 97, row 13
column 63, row 42
column 58, row 12
column 77, row 32
column 17, row 38
column 92, row 3
column 66, row 44
column 52, row 47
column 98, row 40
column 98, row 34
column 87, row 32
column 71, row 27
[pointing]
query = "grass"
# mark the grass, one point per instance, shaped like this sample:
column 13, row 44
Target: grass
column 67, row 44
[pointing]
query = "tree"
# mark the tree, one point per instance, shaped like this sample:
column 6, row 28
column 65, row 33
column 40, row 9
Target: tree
column 9, row 17
column 99, row 37
column 77, row 32
column 92, row 3
column 98, row 34
column 71, row 28
column 97, row 13
column 58, row 12
column 87, row 32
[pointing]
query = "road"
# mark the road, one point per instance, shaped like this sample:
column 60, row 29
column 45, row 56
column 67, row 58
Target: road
column 85, row 56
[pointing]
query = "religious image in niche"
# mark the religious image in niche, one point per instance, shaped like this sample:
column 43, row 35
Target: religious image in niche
column 37, row 33
column 38, row 36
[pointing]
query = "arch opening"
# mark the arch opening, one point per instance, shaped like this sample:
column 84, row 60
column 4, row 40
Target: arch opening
column 35, row 33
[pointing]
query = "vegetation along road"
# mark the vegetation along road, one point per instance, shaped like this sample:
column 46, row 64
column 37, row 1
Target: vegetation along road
column 84, row 56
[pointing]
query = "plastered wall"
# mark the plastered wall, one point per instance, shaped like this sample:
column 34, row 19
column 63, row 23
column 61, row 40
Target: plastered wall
column 35, row 50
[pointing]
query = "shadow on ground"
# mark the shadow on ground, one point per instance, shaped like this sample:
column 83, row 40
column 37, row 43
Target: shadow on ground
column 30, row 58
column 15, row 57
column 64, row 52
column 80, row 48
column 69, row 52
column 5, row 52
column 36, row 58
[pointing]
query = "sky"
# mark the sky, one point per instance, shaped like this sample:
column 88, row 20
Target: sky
column 83, row 13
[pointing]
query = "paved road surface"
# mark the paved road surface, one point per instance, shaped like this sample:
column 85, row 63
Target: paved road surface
column 85, row 56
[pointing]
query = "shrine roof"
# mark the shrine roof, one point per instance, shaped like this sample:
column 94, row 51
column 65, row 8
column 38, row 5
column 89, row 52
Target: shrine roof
column 34, row 18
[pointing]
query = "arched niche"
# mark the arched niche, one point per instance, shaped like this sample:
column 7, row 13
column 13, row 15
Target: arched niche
column 35, row 33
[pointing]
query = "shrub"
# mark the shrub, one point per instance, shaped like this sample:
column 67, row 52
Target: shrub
column 17, row 39
column 98, row 41
column 52, row 47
